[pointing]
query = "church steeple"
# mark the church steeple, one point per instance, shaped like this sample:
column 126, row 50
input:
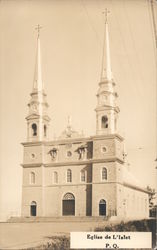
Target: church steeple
column 106, row 73
column 38, row 84
column 106, row 110
column 37, row 119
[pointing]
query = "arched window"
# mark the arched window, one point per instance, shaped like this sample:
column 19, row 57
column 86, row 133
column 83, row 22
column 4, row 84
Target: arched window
column 55, row 177
column 45, row 130
column 34, row 129
column 68, row 196
column 104, row 174
column 32, row 178
column 83, row 176
column 69, row 175
column 33, row 208
column 104, row 121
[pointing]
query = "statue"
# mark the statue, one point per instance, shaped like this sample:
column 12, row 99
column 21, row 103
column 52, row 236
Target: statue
column 53, row 153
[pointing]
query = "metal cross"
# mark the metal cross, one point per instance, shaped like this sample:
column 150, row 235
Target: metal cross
column 38, row 28
column 69, row 121
column 106, row 12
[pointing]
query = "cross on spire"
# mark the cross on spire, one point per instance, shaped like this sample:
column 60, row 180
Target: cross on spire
column 38, row 28
column 106, row 12
column 69, row 121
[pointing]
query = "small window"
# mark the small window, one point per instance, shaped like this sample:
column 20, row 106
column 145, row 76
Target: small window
column 55, row 177
column 45, row 130
column 32, row 178
column 83, row 176
column 69, row 175
column 104, row 121
column 34, row 129
column 104, row 174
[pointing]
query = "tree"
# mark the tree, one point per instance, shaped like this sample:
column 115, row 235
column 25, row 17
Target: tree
column 152, row 205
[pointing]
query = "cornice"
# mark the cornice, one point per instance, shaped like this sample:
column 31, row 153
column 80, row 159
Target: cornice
column 83, row 162
column 135, row 187
column 100, row 92
column 31, row 165
column 37, row 116
column 107, row 107
column 37, row 102
column 72, row 163
column 111, row 136
column 90, row 183
column 106, row 81
column 36, row 92
column 73, row 140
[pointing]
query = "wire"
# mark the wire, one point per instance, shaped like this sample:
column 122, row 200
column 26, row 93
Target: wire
column 141, row 78
column 153, row 19
column 150, row 13
column 154, row 34
column 90, row 22
column 122, row 40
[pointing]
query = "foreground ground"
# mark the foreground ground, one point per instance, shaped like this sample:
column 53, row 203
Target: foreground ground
column 29, row 235
column 24, row 235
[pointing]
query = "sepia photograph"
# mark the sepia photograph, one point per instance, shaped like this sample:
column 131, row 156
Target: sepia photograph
column 78, row 124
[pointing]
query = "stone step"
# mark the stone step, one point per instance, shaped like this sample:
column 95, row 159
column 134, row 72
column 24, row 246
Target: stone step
column 58, row 219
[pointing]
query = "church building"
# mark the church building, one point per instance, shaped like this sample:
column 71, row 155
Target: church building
column 75, row 175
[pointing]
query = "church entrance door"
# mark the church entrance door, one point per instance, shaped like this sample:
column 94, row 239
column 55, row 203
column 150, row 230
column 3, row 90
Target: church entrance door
column 33, row 208
column 68, row 204
column 102, row 208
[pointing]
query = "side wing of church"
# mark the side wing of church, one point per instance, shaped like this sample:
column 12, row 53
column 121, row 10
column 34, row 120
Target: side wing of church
column 76, row 175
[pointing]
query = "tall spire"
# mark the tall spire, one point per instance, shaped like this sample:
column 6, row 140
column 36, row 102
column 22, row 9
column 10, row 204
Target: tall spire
column 106, row 109
column 106, row 73
column 38, row 119
column 38, row 84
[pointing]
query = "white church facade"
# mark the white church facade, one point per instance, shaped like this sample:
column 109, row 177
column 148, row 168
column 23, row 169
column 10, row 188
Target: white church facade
column 76, row 175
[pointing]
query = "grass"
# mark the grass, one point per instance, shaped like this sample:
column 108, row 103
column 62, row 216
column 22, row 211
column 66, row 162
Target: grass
column 54, row 243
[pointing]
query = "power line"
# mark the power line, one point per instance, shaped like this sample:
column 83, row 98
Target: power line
column 153, row 28
column 154, row 34
column 153, row 20
column 90, row 21
column 131, row 69
column 141, row 78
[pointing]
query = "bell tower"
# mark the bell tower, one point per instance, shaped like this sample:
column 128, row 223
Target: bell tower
column 106, row 110
column 37, row 119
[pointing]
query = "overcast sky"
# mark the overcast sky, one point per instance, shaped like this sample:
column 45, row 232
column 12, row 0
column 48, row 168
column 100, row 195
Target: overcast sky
column 71, row 46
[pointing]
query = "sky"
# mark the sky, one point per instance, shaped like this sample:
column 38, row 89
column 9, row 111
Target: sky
column 71, row 46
